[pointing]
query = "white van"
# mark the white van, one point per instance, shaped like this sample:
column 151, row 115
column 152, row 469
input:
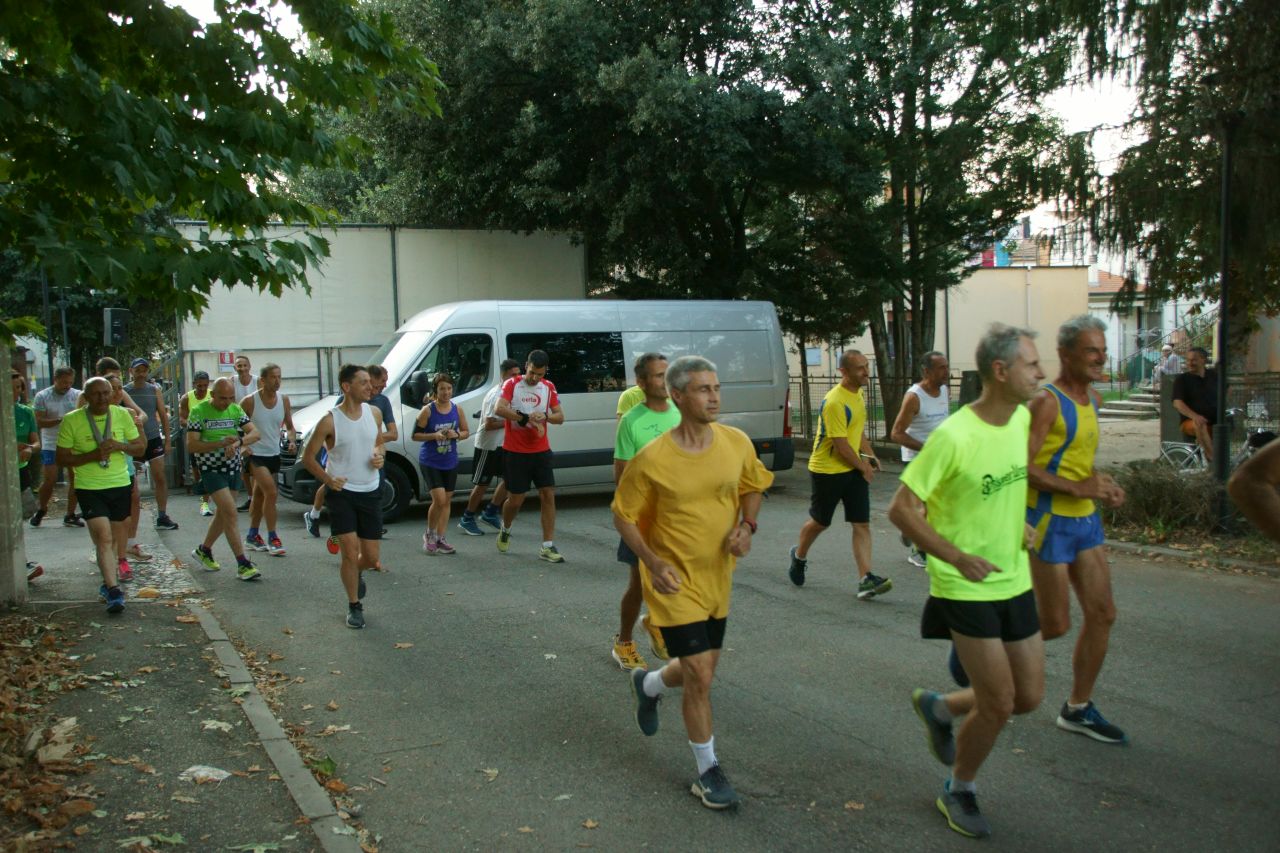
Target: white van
column 592, row 345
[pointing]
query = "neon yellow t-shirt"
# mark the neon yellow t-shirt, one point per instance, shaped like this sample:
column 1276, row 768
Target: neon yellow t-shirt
column 973, row 478
column 1068, row 451
column 686, row 505
column 74, row 432
column 629, row 399
column 843, row 415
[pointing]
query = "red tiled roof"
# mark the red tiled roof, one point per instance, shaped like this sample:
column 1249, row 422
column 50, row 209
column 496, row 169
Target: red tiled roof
column 1110, row 283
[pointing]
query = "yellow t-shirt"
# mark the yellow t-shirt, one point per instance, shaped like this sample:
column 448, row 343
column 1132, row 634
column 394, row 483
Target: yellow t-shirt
column 686, row 505
column 74, row 432
column 629, row 399
column 1068, row 451
column 972, row 476
column 843, row 415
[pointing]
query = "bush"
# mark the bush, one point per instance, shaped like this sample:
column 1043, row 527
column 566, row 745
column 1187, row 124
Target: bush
column 1162, row 499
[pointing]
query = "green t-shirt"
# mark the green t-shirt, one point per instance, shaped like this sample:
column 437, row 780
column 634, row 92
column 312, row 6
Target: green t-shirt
column 629, row 399
column 214, row 425
column 75, row 433
column 24, row 417
column 973, row 478
column 641, row 425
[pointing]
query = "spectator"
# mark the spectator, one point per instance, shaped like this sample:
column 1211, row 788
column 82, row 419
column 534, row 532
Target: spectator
column 1170, row 365
column 1195, row 396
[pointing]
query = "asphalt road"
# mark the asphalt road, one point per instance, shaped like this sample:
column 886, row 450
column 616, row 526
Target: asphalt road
column 507, row 725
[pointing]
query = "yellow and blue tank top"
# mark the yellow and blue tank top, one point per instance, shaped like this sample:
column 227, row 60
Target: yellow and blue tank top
column 1068, row 452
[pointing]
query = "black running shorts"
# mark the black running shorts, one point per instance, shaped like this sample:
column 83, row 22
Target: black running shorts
column 112, row 504
column 438, row 478
column 358, row 512
column 832, row 489
column 695, row 638
column 1009, row 619
column 485, row 465
column 525, row 469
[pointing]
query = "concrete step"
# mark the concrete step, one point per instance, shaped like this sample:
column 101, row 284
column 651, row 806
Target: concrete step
column 1135, row 405
column 1154, row 399
column 1128, row 413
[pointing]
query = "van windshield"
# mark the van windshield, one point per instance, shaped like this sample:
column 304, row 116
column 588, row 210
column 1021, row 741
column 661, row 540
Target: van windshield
column 399, row 353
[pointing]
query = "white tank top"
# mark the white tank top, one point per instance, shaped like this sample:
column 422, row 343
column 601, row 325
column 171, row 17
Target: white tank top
column 268, row 421
column 352, row 452
column 243, row 391
column 933, row 411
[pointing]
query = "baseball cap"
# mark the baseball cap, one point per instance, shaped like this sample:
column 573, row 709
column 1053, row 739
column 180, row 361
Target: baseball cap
column 200, row 374
column 139, row 362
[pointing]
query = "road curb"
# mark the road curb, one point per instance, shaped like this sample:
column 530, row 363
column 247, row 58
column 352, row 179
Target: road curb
column 1220, row 562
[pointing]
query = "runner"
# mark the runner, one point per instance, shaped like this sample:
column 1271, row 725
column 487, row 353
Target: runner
column 199, row 393
column 268, row 410
column 128, row 547
column 487, row 461
column 51, row 405
column 962, row 500
column 687, row 506
column 529, row 405
column 245, row 385
column 349, row 433
column 96, row 441
column 215, row 438
column 28, row 435
column 439, row 426
column 150, row 398
column 640, row 425
column 841, row 473
column 1061, row 505
column 926, row 404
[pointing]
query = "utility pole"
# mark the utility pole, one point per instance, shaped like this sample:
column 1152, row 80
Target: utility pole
column 1221, row 431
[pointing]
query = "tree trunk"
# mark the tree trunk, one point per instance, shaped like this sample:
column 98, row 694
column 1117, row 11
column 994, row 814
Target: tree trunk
column 13, row 561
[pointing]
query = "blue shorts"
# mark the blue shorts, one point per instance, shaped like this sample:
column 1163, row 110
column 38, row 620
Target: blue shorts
column 1060, row 538
column 48, row 457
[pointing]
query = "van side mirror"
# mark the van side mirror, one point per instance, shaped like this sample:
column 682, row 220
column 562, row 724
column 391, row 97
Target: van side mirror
column 414, row 392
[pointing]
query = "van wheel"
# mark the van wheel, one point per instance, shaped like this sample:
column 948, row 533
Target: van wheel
column 396, row 493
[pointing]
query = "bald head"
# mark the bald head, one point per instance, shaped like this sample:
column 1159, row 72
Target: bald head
column 98, row 393
column 222, row 393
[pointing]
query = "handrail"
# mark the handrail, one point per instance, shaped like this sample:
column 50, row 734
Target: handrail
column 1197, row 330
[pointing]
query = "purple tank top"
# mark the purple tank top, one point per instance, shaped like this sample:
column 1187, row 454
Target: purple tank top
column 440, row 454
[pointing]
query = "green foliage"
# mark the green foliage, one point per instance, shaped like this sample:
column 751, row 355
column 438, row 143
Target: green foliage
column 118, row 118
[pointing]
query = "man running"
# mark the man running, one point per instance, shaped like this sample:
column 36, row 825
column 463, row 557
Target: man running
column 687, row 507
column 98, row 441
column 1068, row 551
column 349, row 434
column 199, row 393
column 841, row 468
column 245, row 384
column 268, row 410
column 962, row 501
column 486, row 464
column 216, row 434
column 150, row 398
column 529, row 405
column 925, row 405
column 640, row 425
column 51, row 405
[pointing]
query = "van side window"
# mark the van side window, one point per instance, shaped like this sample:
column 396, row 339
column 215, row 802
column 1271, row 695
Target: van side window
column 581, row 362
column 464, row 356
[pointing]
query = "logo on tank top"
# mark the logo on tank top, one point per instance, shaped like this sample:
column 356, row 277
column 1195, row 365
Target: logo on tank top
column 992, row 484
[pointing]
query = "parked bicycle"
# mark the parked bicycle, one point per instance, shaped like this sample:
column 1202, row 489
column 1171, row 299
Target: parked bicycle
column 1188, row 457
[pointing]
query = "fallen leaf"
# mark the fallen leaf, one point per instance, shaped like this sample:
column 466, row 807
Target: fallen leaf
column 854, row 806
column 490, row 773
column 80, row 830
column 590, row 824
column 147, row 592
column 148, row 669
column 332, row 706
column 76, row 808
column 525, row 829
column 274, row 656
column 131, row 816
column 288, row 631
column 404, row 645
column 188, row 618
column 549, row 656
column 261, row 847
column 180, row 798
column 215, row 725
column 561, row 798
column 337, row 786
column 201, row 773
column 253, row 768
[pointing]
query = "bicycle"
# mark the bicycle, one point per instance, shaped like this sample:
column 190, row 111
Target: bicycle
column 1188, row 457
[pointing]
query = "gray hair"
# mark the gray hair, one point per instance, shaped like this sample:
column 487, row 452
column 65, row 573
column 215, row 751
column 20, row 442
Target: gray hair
column 1070, row 331
column 678, row 371
column 1000, row 343
column 643, row 362
column 926, row 360
column 267, row 368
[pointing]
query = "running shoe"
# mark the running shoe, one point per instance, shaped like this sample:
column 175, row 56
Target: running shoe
column 37, row 518
column 313, row 524
column 124, row 571
column 115, row 600
column 164, row 522
column 360, row 588
column 428, row 544
column 504, row 540
column 656, row 644
column 493, row 519
column 247, row 571
column 1089, row 721
column 626, row 656
column 135, row 553
column 102, row 592
column 798, row 566
column 958, row 675
column 331, row 544
column 962, row 814
column 443, row 547
column 205, row 509
column 917, row 559
column 355, row 616
column 942, row 742
column 255, row 542
column 244, row 507
column 206, row 559
column 467, row 524
column 34, row 570
column 873, row 585
column 550, row 554
column 646, row 706
column 714, row 790
column 275, row 547
column 906, row 543
column 72, row 521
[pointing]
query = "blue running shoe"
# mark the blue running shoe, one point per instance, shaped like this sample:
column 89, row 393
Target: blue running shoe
column 492, row 519
column 714, row 790
column 942, row 743
column 957, row 669
column 1088, row 721
column 646, row 706
column 115, row 600
column 467, row 524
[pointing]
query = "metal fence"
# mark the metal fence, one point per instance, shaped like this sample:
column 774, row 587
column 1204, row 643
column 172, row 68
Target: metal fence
column 803, row 421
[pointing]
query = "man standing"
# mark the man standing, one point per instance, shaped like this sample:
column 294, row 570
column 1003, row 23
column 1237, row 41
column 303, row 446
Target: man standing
column 268, row 410
column 199, row 393
column 98, row 441
column 962, row 500
column 487, row 462
column 687, row 507
column 349, row 434
column 150, row 399
column 216, row 434
column 841, row 468
column 1068, row 550
column 640, row 425
column 1195, row 396
column 529, row 405
column 51, row 405
column 926, row 404
column 1169, row 367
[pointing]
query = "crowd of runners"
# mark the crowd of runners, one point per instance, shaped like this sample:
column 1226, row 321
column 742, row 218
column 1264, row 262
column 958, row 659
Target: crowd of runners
column 998, row 502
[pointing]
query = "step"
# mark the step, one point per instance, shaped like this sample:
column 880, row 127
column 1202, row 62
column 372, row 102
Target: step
column 1129, row 414
column 1135, row 405
column 1144, row 398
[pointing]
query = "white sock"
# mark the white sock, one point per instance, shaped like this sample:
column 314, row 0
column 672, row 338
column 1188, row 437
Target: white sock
column 1074, row 707
column 314, row 514
column 547, row 543
column 940, row 710
column 954, row 785
column 653, row 686
column 505, row 529
column 704, row 754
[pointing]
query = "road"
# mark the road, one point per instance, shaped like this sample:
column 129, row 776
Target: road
column 509, row 671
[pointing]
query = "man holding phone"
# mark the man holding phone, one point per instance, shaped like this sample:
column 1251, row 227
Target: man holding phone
column 842, row 473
